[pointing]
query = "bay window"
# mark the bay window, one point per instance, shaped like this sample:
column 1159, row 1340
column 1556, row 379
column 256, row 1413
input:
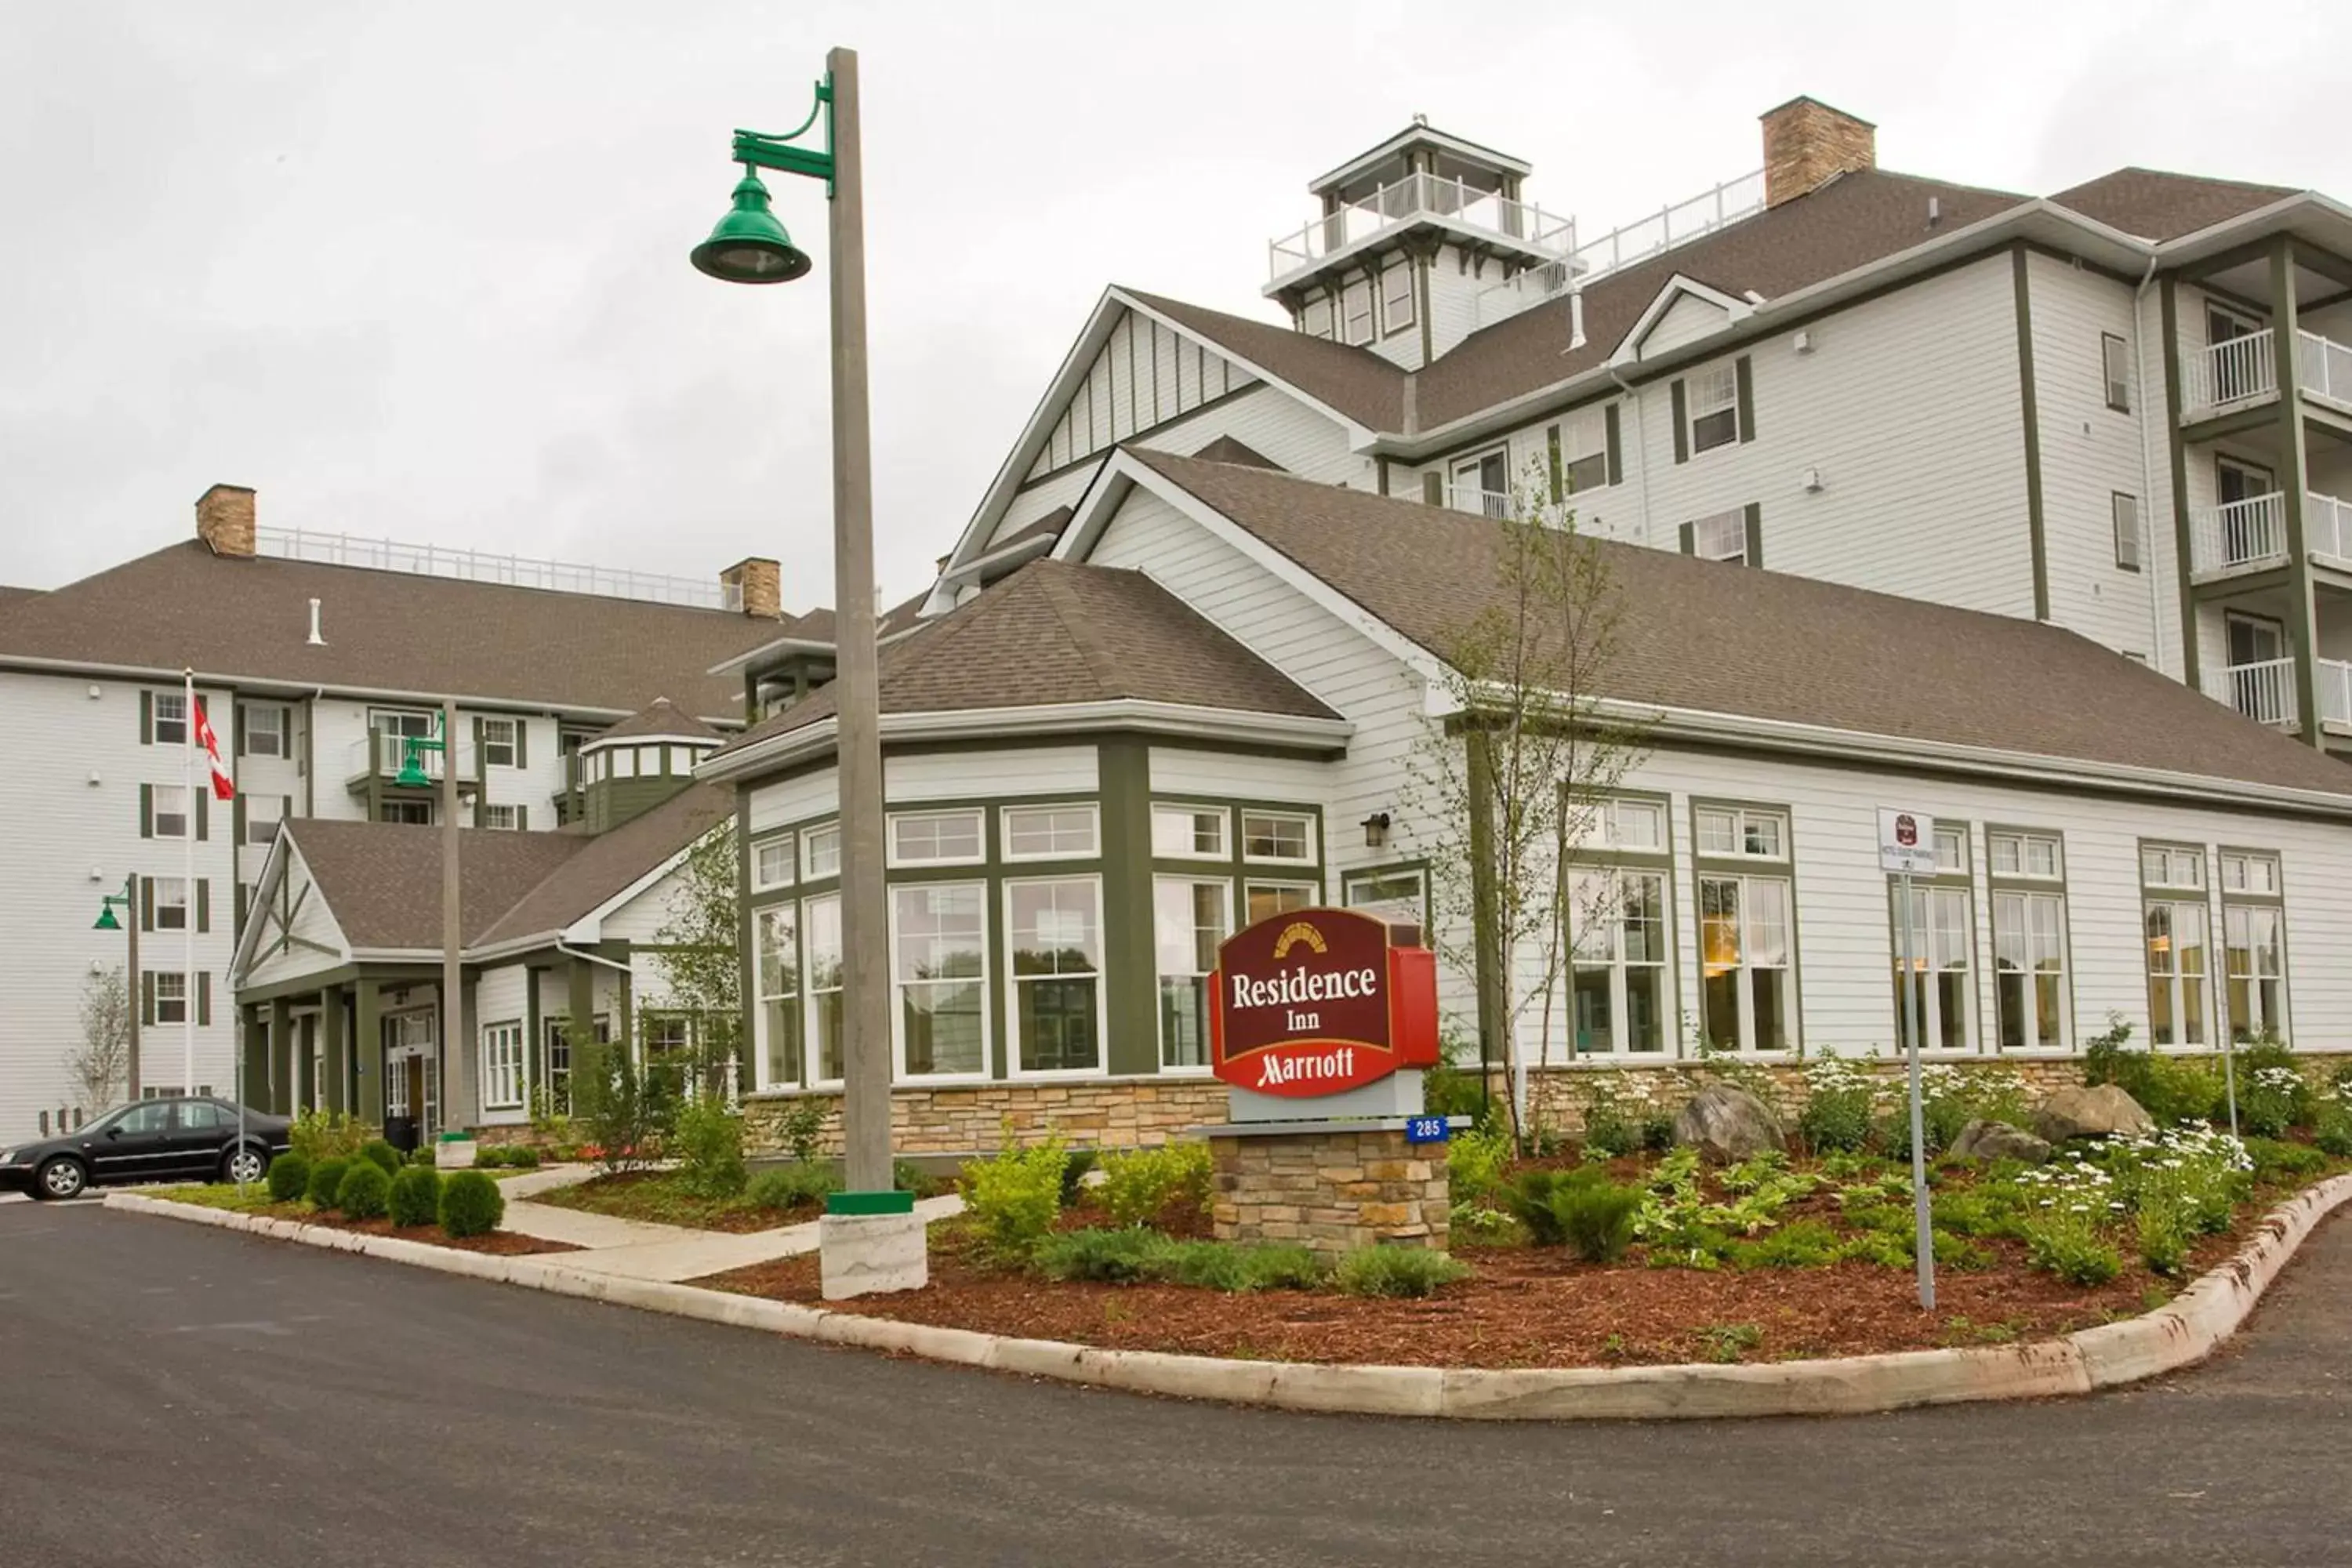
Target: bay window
column 1277, row 836
column 938, row 950
column 821, row 920
column 1056, row 931
column 1261, row 900
column 1190, row 916
column 931, row 837
column 821, row 852
column 779, row 1016
column 773, row 861
column 1189, row 832
column 1050, row 832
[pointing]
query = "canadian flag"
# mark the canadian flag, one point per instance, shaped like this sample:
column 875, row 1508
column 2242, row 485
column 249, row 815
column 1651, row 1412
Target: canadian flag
column 223, row 787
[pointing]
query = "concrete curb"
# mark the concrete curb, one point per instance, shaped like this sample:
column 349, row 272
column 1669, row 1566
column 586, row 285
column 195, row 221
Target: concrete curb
column 2189, row 1328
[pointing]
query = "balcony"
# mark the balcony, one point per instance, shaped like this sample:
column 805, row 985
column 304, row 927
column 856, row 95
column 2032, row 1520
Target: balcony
column 1485, row 503
column 2266, row 692
column 2250, row 535
column 1418, row 198
column 2243, row 372
column 385, row 758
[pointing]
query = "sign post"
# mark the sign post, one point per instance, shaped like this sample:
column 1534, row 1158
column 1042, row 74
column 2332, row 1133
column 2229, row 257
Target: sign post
column 1907, row 844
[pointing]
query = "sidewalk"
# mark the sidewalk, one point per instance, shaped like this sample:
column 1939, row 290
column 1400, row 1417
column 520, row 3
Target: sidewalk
column 638, row 1249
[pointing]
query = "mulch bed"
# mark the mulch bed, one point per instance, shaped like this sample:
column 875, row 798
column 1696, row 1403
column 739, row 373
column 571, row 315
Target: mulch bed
column 651, row 1196
column 1524, row 1306
column 502, row 1243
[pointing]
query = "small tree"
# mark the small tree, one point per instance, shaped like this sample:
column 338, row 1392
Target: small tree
column 700, row 958
column 1511, row 790
column 625, row 1114
column 100, row 1063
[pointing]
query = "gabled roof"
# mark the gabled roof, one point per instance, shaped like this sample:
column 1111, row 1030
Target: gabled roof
column 1703, row 637
column 660, row 717
column 383, row 879
column 1225, row 449
column 2156, row 204
column 11, row 595
column 1354, row 383
column 386, row 632
column 605, row 866
column 1055, row 634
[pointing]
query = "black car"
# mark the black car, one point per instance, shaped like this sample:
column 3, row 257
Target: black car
column 194, row 1139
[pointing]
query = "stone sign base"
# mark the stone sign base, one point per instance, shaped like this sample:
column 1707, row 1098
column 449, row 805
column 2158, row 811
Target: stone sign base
column 1331, row 1185
column 869, row 1254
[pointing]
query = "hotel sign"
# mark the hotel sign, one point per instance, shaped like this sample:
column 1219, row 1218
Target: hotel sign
column 1315, row 1002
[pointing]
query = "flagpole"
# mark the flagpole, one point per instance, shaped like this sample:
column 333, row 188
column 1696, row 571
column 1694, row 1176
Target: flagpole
column 188, row 891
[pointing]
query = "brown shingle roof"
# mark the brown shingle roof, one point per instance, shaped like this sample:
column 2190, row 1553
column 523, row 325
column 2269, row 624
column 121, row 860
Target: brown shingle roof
column 383, row 879
column 385, row 631
column 1225, row 449
column 2156, row 204
column 608, row 863
column 660, row 717
column 1706, row 637
column 1053, row 634
column 1356, row 381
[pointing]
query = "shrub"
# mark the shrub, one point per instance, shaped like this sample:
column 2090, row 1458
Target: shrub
column 799, row 1129
column 2164, row 1233
column 1475, row 1162
column 1529, row 1198
column 2076, row 1253
column 326, row 1181
column 317, row 1135
column 625, row 1114
column 415, row 1196
column 1222, row 1266
column 2170, row 1090
column 1139, row 1183
column 471, row 1205
column 382, row 1155
column 364, row 1192
column 2331, row 1130
column 422, row 1155
column 1074, row 1175
column 1121, row 1256
column 707, row 1138
column 789, row 1186
column 1013, row 1199
column 289, row 1178
column 2273, row 1094
column 1806, row 1243
column 1613, row 1119
column 521, row 1157
column 2277, row 1160
column 1395, row 1271
column 1839, row 1096
column 1596, row 1218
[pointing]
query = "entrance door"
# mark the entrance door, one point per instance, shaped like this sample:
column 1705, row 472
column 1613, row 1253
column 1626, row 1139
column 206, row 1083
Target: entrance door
column 1480, row 485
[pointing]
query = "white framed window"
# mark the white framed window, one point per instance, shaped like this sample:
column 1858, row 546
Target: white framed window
column 622, row 759
column 1054, row 932
column 1581, row 451
column 171, row 996
column 821, row 930
column 821, row 852
column 2178, row 962
column 1355, row 311
column 1402, row 895
column 1721, row 536
column 503, row 818
column 2172, row 866
column 649, row 761
column 414, row 813
column 1714, row 396
column 170, row 727
column 263, row 812
column 1260, row 899
column 265, row 729
column 1190, row 916
column 407, row 722
column 1282, row 836
column 939, row 970
column 1315, row 316
column 935, row 838
column 1747, row 998
column 2125, row 512
column 1617, row 961
column 1051, row 832
column 1614, row 823
column 502, row 1065
column 1396, row 296
column 1936, row 947
column 2029, row 961
column 499, row 742
column 779, row 1050
column 2114, row 364
column 2243, row 873
column 2255, row 935
column 170, row 896
column 1189, row 832
column 2026, row 855
column 774, row 862
column 1952, row 849
column 171, row 811
column 1743, row 831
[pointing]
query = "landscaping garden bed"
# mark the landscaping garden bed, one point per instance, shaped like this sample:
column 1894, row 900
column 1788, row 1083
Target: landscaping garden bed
column 662, row 1197
column 256, row 1200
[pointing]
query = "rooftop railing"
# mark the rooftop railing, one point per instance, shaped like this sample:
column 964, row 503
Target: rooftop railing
column 1678, row 223
column 487, row 566
column 1418, row 195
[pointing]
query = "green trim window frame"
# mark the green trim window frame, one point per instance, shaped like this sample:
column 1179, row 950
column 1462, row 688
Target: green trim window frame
column 822, row 980
column 2176, row 923
column 779, row 1016
column 939, row 980
column 1276, row 838
column 2114, row 371
column 1055, row 1006
column 775, row 862
column 503, row 1085
column 1745, row 908
column 2033, row 974
column 1191, row 915
column 821, row 852
column 1719, row 536
column 949, row 837
column 1065, row 830
column 2253, row 942
column 169, row 723
column 1938, row 946
column 1617, row 884
column 1183, row 831
column 1396, row 892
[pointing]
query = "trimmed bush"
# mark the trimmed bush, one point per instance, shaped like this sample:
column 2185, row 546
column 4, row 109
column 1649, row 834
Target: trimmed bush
column 789, row 1186
column 289, row 1178
column 1121, row 1256
column 364, row 1192
column 415, row 1196
column 381, row 1154
column 1132, row 1254
column 326, row 1181
column 1012, row 1200
column 471, row 1205
column 1533, row 1198
column 708, row 1139
column 1139, row 1184
column 1395, row 1271
column 1596, row 1218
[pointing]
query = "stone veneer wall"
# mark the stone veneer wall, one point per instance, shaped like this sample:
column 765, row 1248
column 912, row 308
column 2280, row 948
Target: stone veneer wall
column 1114, row 1113
column 1332, row 1191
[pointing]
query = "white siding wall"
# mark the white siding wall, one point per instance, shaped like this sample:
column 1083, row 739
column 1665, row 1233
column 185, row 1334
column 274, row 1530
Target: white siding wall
column 1688, row 319
column 792, row 800
column 1456, row 278
column 1175, row 771
column 958, row 775
column 313, row 922
column 1145, row 374
column 500, row 997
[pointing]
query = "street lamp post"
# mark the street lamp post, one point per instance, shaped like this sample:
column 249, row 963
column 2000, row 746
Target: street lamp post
column 749, row 245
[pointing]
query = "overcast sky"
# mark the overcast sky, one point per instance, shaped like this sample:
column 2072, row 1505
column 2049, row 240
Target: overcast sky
column 419, row 269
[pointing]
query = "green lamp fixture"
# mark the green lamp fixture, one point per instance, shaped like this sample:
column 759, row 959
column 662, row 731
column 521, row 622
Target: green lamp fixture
column 106, row 920
column 748, row 246
column 412, row 768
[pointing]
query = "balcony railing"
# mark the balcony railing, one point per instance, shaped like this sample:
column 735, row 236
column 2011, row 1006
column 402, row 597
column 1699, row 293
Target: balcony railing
column 1418, row 195
column 2238, row 536
column 2328, row 529
column 2334, row 693
column 1621, row 247
column 2245, row 370
column 1486, row 503
column 2324, row 368
column 485, row 566
column 386, row 756
column 2263, row 692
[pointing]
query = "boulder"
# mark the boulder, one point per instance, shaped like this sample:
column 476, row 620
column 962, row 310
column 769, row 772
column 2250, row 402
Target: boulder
column 2104, row 1111
column 1990, row 1141
column 1727, row 1124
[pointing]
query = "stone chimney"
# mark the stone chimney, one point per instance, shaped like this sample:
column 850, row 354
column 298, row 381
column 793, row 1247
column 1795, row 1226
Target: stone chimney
column 224, row 520
column 755, row 586
column 1806, row 142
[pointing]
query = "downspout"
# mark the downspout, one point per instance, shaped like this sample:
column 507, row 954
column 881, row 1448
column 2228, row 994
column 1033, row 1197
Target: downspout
column 2147, row 470
column 1641, row 444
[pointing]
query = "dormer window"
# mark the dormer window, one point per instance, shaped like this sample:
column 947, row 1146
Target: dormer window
column 1356, row 310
